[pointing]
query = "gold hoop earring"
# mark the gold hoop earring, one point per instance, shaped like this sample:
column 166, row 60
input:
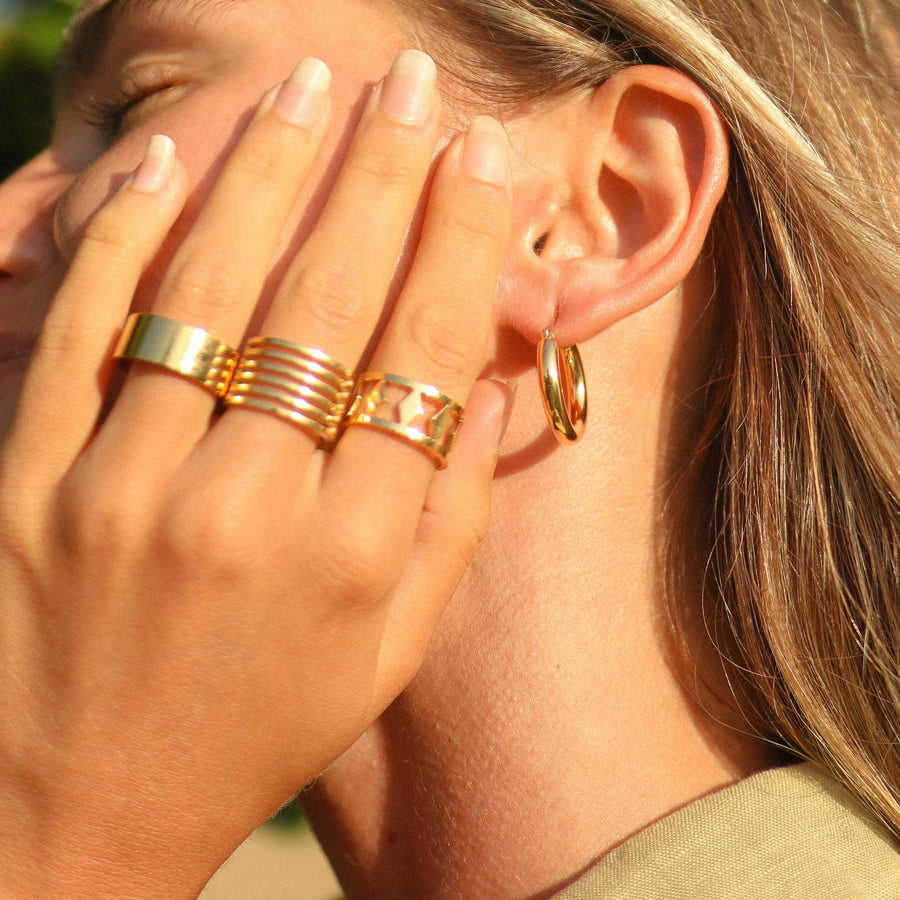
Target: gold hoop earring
column 563, row 388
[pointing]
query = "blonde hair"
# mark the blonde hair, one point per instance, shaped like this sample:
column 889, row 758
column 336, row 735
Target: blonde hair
column 800, row 431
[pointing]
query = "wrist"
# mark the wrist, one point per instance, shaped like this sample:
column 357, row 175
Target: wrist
column 81, row 855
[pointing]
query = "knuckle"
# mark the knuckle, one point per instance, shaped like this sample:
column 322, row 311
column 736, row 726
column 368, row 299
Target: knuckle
column 271, row 167
column 332, row 297
column 111, row 235
column 361, row 570
column 440, row 334
column 386, row 169
column 474, row 224
column 458, row 534
column 191, row 544
column 59, row 334
column 98, row 523
column 203, row 536
column 15, row 536
column 478, row 520
column 201, row 287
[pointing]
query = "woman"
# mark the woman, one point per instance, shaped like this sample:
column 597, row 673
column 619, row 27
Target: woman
column 203, row 614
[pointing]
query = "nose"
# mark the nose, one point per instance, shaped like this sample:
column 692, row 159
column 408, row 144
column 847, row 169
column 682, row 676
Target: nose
column 28, row 199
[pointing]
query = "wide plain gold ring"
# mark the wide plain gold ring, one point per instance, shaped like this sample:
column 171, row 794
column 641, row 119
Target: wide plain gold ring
column 416, row 413
column 179, row 348
column 301, row 385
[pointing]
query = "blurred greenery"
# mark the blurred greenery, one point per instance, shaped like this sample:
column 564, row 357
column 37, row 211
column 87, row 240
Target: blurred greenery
column 289, row 818
column 30, row 33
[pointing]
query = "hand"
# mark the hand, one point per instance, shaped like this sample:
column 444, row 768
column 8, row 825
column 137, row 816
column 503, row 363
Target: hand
column 200, row 613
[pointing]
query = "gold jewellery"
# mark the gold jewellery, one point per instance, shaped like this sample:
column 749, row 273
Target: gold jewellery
column 314, row 392
column 563, row 388
column 416, row 413
column 301, row 385
column 182, row 349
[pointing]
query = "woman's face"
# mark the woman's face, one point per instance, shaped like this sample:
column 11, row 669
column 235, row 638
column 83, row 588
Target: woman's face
column 191, row 70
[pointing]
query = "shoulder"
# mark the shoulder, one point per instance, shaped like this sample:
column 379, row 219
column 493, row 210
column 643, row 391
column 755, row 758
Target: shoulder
column 786, row 834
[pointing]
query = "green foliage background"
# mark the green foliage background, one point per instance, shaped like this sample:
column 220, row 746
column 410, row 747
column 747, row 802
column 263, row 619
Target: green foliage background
column 30, row 34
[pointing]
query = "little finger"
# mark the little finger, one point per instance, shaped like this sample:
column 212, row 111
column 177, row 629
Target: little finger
column 453, row 522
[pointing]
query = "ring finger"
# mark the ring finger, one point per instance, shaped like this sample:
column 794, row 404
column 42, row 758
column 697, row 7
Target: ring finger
column 436, row 336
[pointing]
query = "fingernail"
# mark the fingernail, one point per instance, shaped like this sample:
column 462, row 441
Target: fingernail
column 268, row 100
column 485, row 153
column 156, row 167
column 302, row 97
column 409, row 90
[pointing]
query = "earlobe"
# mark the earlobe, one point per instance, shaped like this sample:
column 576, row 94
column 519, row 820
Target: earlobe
column 618, row 218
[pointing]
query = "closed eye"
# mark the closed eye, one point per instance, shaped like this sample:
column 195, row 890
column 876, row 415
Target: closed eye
column 112, row 115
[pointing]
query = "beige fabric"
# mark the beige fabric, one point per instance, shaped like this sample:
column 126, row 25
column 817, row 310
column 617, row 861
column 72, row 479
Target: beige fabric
column 786, row 834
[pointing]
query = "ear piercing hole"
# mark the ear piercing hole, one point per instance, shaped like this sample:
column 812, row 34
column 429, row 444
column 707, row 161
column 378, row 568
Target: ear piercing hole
column 540, row 243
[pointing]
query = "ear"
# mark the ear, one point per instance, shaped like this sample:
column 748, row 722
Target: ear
column 615, row 190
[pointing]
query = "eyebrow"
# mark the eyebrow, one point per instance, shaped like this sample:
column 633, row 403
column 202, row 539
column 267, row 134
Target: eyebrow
column 86, row 38
column 89, row 33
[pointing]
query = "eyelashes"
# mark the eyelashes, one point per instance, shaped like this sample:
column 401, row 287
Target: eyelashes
column 108, row 116
column 112, row 115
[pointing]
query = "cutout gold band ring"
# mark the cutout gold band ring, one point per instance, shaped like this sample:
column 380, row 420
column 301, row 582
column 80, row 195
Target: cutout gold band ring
column 419, row 414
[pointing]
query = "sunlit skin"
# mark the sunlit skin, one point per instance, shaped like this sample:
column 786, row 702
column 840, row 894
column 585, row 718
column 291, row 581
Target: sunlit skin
column 548, row 721
column 220, row 60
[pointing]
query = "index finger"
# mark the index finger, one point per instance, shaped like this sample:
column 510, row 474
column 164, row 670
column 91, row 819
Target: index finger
column 63, row 393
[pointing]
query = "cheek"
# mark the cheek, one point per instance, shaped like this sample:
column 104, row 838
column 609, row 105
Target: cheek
column 106, row 174
column 204, row 153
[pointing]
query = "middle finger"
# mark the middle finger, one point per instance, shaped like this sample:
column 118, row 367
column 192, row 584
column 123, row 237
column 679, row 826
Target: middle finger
column 335, row 291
